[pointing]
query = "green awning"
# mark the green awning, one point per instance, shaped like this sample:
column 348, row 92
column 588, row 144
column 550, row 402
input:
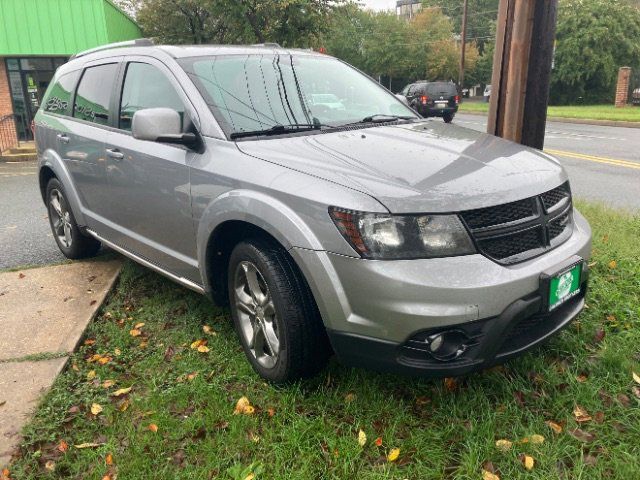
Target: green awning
column 61, row 27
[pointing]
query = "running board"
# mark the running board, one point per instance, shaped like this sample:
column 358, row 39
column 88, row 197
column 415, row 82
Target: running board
column 146, row 263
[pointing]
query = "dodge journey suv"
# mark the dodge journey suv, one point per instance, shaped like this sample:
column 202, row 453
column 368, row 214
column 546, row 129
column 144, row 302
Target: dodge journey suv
column 326, row 213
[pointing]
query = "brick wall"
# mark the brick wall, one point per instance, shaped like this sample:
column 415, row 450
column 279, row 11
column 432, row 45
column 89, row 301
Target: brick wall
column 8, row 136
column 622, row 90
column 5, row 95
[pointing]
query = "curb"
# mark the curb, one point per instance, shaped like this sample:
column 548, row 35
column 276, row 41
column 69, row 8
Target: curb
column 578, row 121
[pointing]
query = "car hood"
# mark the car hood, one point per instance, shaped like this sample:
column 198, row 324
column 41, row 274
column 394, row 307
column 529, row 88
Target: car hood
column 426, row 166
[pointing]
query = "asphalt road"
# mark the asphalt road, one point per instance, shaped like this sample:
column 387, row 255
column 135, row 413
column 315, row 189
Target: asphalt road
column 603, row 164
column 25, row 236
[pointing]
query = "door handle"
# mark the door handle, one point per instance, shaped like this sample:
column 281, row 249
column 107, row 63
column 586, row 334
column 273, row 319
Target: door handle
column 115, row 154
column 62, row 138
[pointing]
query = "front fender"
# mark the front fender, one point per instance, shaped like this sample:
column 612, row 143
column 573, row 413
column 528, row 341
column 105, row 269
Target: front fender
column 50, row 159
column 261, row 210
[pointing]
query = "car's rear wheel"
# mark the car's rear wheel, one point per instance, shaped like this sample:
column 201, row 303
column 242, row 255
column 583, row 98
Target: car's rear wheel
column 274, row 313
column 71, row 241
column 448, row 117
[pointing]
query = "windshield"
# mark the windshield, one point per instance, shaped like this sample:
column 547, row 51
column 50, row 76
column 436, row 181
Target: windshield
column 257, row 92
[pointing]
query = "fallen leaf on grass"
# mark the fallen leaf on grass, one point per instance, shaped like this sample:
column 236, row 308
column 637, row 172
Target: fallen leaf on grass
column 138, row 326
column 91, row 375
column 450, row 384
column 635, row 390
column 108, row 383
column 109, row 459
column 203, row 349
column 244, row 407
column 198, row 343
column 362, row 438
column 96, row 408
column 89, row 341
column 153, row 427
column 88, row 445
column 536, row 439
column 582, row 435
column 50, row 465
column 21, row 275
column 135, row 332
column 62, row 446
column 378, row 442
column 503, row 445
column 581, row 415
column 624, row 400
column 554, row 426
column 527, row 461
column 208, row 330
column 487, row 475
column 192, row 376
column 636, row 377
column 598, row 417
column 613, row 264
column 349, row 397
column 124, row 405
column 117, row 352
column 393, row 455
column 6, row 475
column 599, row 335
column 271, row 411
column 122, row 391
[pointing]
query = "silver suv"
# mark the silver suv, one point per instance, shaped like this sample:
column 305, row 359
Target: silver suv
column 323, row 210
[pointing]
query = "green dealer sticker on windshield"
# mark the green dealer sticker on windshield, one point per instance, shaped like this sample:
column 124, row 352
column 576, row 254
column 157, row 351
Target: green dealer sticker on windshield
column 564, row 286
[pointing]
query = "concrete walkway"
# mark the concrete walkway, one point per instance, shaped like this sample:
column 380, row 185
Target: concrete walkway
column 43, row 314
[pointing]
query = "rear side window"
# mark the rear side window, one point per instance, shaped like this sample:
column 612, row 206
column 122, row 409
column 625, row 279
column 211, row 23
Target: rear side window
column 146, row 87
column 94, row 93
column 58, row 96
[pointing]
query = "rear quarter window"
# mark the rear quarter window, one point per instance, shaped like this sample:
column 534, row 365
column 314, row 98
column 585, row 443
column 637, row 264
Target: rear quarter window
column 58, row 97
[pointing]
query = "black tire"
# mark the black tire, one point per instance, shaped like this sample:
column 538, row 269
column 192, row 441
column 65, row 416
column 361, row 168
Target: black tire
column 448, row 117
column 303, row 344
column 80, row 245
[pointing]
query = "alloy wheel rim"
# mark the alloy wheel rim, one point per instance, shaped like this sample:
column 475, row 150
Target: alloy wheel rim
column 256, row 314
column 60, row 218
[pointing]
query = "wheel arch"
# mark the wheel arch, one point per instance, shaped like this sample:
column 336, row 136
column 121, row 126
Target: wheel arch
column 227, row 221
column 52, row 166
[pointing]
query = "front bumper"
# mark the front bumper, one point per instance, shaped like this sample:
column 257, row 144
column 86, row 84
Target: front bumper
column 522, row 326
column 381, row 305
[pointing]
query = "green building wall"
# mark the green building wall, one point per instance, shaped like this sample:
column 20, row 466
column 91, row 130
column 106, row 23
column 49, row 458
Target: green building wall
column 61, row 27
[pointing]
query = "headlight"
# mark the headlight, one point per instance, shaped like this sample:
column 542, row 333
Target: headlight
column 395, row 237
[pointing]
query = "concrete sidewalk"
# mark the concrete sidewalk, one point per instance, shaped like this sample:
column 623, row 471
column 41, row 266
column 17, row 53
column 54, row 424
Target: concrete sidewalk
column 43, row 314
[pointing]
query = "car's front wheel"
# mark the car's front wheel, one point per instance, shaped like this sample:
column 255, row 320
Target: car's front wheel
column 71, row 241
column 274, row 313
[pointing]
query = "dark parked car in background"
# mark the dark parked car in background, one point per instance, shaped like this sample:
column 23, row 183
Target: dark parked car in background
column 433, row 99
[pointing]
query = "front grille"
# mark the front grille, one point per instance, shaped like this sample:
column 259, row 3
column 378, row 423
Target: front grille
column 510, row 212
column 521, row 230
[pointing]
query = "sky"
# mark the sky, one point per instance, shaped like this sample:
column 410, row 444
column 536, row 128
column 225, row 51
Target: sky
column 380, row 4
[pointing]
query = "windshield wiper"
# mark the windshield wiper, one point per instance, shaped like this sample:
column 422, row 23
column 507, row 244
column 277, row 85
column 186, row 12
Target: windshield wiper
column 279, row 130
column 380, row 118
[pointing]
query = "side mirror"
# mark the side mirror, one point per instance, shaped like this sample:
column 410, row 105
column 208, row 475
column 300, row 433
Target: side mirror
column 403, row 99
column 160, row 125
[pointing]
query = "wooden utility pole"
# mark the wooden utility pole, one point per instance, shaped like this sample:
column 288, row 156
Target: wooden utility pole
column 522, row 70
column 463, row 45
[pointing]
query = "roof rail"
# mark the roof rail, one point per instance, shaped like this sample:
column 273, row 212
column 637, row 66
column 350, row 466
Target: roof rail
column 267, row 44
column 138, row 42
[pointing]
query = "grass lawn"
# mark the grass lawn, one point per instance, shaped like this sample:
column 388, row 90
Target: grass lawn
column 586, row 112
column 177, row 420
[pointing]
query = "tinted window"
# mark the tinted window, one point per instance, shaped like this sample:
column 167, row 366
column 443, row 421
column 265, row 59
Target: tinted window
column 58, row 96
column 441, row 88
column 146, row 87
column 94, row 93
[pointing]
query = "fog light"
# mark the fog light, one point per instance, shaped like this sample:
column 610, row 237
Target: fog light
column 447, row 346
column 436, row 343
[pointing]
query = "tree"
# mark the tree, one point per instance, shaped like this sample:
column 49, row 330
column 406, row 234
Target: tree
column 292, row 23
column 481, row 15
column 594, row 39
